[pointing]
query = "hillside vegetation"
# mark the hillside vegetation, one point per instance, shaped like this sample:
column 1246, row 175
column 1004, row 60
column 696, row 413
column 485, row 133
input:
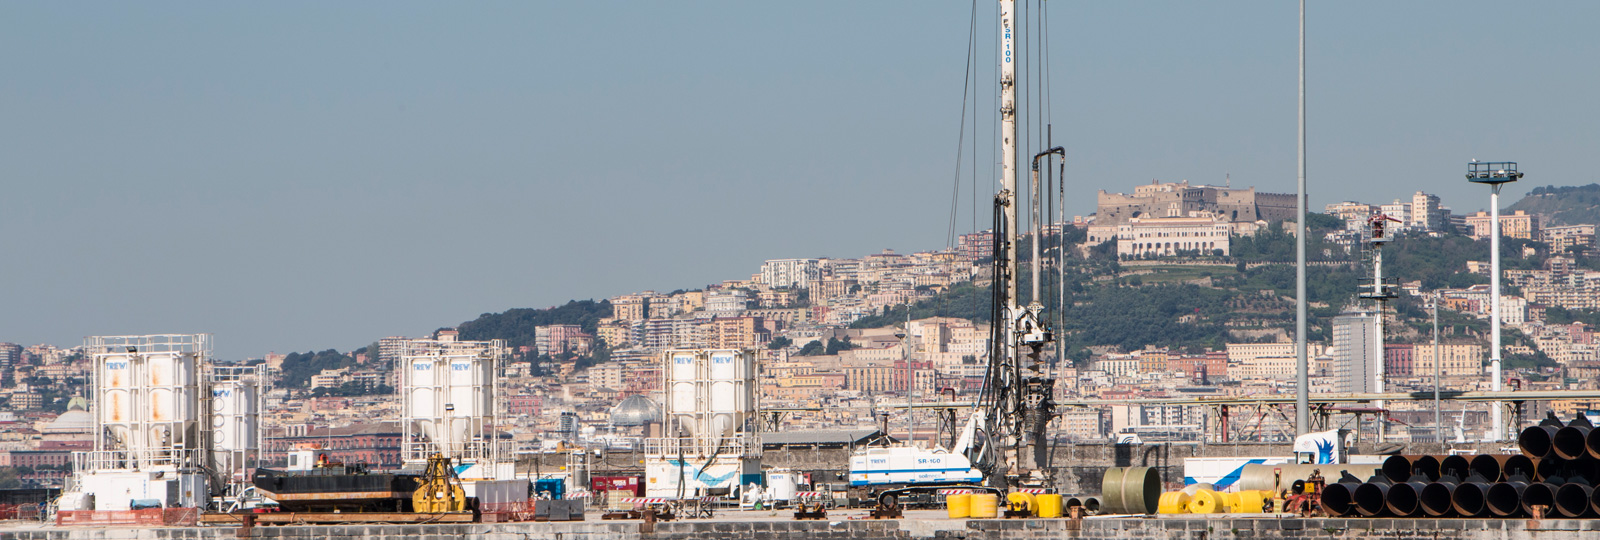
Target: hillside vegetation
column 1562, row 205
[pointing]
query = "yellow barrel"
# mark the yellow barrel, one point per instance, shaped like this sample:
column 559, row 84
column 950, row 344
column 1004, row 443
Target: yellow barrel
column 1173, row 502
column 1019, row 499
column 1206, row 501
column 1250, row 501
column 985, row 505
column 1049, row 505
column 959, row 506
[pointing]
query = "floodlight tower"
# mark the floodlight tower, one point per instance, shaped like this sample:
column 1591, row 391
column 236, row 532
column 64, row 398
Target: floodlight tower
column 1495, row 174
column 1381, row 292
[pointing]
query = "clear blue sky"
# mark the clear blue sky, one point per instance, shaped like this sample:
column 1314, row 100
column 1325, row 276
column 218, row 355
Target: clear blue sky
column 296, row 176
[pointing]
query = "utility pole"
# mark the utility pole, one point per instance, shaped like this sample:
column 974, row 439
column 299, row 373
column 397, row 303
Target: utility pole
column 1302, row 366
column 1439, row 424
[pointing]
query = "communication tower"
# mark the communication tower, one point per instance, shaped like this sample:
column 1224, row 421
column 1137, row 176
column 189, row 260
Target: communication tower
column 1380, row 290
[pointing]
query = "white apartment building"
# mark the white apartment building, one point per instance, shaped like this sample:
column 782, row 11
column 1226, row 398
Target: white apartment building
column 1168, row 236
column 1244, row 352
column 1354, row 335
column 1427, row 214
column 1398, row 210
column 724, row 302
column 790, row 273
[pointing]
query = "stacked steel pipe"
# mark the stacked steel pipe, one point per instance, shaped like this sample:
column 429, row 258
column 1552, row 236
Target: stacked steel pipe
column 1555, row 476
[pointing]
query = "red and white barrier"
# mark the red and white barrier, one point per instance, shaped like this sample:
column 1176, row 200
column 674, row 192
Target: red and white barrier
column 955, row 492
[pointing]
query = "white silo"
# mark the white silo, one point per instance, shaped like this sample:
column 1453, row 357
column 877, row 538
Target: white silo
column 684, row 402
column 152, row 426
column 709, row 446
column 448, row 391
column 236, row 394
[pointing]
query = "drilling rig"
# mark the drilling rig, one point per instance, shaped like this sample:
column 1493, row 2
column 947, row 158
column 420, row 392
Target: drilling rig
column 1003, row 446
column 1018, row 400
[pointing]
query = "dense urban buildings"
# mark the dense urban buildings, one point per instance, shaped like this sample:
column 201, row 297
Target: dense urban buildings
column 800, row 315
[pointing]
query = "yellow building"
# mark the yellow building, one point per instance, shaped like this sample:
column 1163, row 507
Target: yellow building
column 1460, row 360
column 1519, row 224
column 869, row 378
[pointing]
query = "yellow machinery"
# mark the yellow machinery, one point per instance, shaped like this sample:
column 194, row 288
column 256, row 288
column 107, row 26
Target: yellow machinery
column 441, row 490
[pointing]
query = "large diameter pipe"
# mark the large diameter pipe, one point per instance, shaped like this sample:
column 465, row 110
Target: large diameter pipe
column 1586, row 468
column 1593, row 443
column 1485, row 467
column 1436, row 498
column 1470, row 499
column 1371, row 498
column 1594, row 501
column 1405, row 499
column 1456, row 467
column 1540, row 496
column 1558, row 471
column 1397, row 468
column 1130, row 490
column 1505, row 498
column 1338, row 499
column 1551, row 469
column 1427, row 466
column 1573, row 499
column 1571, row 442
column 1537, row 441
column 1515, row 466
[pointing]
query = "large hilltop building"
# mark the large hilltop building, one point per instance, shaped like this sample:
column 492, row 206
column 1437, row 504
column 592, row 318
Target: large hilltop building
column 1179, row 199
column 1160, row 220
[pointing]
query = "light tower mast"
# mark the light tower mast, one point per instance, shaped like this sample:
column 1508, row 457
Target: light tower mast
column 1495, row 174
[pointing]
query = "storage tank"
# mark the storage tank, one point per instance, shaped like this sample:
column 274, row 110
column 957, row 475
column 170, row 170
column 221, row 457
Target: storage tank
column 709, row 394
column 114, row 400
column 148, row 402
column 448, row 398
column 235, row 419
column 684, row 373
column 729, row 391
column 471, row 394
column 174, row 398
column 420, row 387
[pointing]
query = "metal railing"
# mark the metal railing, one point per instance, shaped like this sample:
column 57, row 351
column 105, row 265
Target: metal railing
column 738, row 445
column 105, row 460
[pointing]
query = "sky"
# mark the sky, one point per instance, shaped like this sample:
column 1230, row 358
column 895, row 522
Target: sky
column 294, row 176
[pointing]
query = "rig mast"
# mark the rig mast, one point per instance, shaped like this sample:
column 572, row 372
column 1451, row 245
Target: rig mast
column 1019, row 392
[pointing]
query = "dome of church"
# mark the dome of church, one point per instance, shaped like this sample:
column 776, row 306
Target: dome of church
column 76, row 420
column 637, row 410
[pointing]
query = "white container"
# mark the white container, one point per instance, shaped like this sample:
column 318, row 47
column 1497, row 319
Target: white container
column 780, row 485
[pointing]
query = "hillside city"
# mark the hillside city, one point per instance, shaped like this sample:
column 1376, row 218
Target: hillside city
column 1173, row 290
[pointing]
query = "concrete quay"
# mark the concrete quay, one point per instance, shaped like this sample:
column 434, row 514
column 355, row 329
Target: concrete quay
column 849, row 525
